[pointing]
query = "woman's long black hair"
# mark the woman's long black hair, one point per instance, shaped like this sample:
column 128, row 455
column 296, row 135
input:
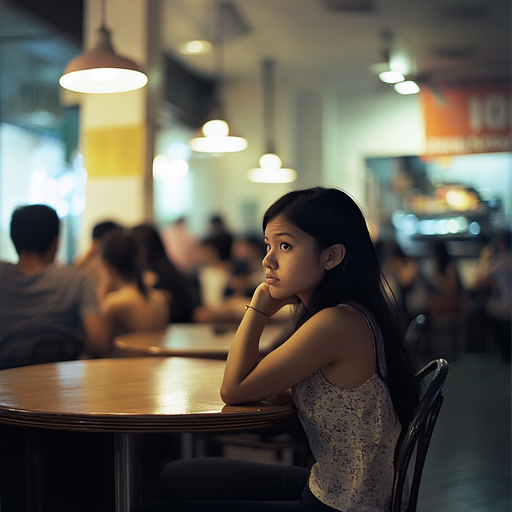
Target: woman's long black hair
column 154, row 258
column 121, row 251
column 331, row 216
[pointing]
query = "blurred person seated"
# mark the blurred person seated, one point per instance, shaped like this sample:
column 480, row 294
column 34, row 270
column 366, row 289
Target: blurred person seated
column 40, row 301
column 212, row 273
column 180, row 245
column 479, row 290
column 247, row 271
column 91, row 261
column 445, row 284
column 226, row 285
column 127, row 303
column 407, row 282
column 221, row 237
column 161, row 273
column 495, row 274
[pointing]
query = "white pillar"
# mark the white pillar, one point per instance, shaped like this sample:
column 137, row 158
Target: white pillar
column 117, row 130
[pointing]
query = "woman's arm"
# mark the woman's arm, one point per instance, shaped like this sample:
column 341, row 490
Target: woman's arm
column 325, row 339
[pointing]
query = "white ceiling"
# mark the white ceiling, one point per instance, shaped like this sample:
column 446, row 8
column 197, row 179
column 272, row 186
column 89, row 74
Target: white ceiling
column 335, row 46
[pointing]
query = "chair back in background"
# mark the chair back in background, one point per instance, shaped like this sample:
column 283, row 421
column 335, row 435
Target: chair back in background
column 415, row 329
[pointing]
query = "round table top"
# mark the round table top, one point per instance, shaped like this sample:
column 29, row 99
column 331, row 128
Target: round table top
column 190, row 340
column 152, row 394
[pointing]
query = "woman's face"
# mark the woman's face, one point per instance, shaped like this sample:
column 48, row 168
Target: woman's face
column 292, row 264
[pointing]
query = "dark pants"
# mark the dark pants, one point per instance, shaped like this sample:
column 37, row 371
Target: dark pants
column 230, row 485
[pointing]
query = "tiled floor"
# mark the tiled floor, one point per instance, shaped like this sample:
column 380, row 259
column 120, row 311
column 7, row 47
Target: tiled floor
column 468, row 467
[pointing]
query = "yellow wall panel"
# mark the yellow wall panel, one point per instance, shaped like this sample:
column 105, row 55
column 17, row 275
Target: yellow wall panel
column 115, row 151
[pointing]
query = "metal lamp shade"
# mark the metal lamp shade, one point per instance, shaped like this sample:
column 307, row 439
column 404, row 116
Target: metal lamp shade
column 101, row 70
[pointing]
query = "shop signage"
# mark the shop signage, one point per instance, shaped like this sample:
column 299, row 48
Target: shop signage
column 467, row 118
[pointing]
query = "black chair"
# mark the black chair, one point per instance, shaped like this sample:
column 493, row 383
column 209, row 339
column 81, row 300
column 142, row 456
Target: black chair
column 415, row 329
column 415, row 439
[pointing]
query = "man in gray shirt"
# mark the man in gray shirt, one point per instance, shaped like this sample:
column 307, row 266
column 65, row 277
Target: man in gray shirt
column 42, row 302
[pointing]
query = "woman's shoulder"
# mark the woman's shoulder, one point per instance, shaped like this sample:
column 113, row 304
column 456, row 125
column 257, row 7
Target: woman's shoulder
column 122, row 298
column 158, row 296
column 346, row 319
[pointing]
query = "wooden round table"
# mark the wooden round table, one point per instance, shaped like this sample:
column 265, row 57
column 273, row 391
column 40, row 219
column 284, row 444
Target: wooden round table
column 190, row 340
column 127, row 397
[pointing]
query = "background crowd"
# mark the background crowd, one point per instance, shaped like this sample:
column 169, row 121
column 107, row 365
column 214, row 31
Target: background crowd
column 132, row 278
column 136, row 278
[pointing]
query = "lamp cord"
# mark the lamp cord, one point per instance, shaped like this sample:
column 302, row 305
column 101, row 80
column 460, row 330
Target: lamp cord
column 268, row 103
column 103, row 13
column 219, row 60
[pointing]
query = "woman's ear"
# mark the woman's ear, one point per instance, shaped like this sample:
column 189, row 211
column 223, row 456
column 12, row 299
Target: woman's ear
column 334, row 256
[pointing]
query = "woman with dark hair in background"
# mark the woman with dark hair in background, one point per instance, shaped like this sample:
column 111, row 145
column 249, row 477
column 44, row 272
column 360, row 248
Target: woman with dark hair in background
column 128, row 304
column 182, row 292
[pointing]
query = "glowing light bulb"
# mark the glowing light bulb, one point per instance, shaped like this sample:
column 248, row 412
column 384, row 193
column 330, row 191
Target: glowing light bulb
column 270, row 161
column 216, row 128
column 391, row 77
column 407, row 87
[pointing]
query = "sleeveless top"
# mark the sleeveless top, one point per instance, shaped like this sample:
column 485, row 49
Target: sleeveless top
column 352, row 434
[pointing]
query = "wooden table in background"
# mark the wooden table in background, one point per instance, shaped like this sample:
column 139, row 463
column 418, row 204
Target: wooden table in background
column 190, row 340
column 127, row 397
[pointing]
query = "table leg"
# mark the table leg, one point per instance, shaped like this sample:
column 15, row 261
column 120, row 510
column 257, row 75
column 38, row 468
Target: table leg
column 187, row 445
column 128, row 472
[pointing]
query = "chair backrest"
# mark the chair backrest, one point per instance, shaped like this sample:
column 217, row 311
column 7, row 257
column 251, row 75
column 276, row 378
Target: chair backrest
column 415, row 329
column 416, row 438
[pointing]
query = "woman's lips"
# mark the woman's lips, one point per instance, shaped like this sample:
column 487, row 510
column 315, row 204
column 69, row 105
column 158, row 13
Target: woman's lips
column 271, row 279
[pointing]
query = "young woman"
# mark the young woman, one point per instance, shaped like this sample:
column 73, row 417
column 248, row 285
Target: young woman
column 347, row 364
column 128, row 305
column 183, row 295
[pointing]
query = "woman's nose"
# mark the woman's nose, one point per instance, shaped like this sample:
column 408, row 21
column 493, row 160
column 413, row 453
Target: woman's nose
column 268, row 261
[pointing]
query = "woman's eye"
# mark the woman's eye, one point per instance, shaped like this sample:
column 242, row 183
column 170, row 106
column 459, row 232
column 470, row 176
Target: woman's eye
column 285, row 246
column 268, row 247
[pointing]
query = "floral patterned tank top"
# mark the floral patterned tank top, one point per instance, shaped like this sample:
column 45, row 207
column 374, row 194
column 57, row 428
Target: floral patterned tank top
column 352, row 434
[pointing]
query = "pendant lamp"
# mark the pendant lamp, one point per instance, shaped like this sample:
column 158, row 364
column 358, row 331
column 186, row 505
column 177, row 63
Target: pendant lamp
column 270, row 170
column 100, row 69
column 215, row 137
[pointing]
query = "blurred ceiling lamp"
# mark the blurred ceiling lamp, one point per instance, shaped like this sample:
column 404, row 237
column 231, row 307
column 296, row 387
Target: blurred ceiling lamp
column 163, row 167
column 215, row 135
column 100, row 69
column 391, row 77
column 270, row 170
column 407, row 87
column 196, row 47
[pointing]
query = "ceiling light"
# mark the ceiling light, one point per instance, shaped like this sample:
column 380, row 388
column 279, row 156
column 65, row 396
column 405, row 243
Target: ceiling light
column 407, row 87
column 100, row 69
column 270, row 170
column 391, row 77
column 215, row 137
column 197, row 47
column 163, row 167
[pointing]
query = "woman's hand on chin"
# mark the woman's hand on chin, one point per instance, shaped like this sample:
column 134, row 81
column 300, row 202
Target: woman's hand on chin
column 264, row 302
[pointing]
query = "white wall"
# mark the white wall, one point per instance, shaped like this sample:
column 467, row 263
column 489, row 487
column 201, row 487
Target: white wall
column 325, row 135
column 365, row 125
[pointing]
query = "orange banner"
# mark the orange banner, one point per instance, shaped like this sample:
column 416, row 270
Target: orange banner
column 464, row 119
